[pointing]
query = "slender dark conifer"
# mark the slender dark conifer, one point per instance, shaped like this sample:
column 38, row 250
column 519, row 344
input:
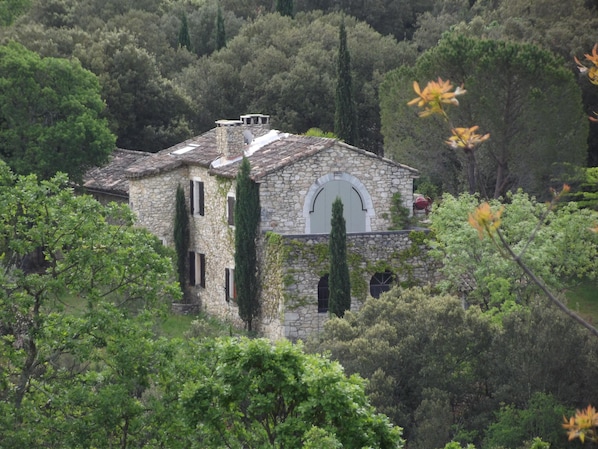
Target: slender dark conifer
column 339, row 282
column 345, row 115
column 285, row 7
column 184, row 38
column 181, row 237
column 220, row 32
column 247, row 219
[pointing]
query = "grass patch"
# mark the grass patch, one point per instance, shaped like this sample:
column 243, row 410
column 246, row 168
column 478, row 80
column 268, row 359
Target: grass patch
column 175, row 326
column 199, row 326
column 583, row 299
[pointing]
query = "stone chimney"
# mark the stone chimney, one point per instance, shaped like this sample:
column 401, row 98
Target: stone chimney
column 233, row 135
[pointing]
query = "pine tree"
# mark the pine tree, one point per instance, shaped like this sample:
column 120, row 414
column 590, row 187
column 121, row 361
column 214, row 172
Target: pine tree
column 184, row 38
column 247, row 218
column 285, row 7
column 339, row 282
column 220, row 32
column 345, row 116
column 181, row 236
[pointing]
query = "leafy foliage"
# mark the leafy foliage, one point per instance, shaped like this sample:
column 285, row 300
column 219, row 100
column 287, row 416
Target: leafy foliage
column 50, row 115
column 252, row 393
column 560, row 253
column 445, row 373
column 339, row 281
column 55, row 245
column 503, row 79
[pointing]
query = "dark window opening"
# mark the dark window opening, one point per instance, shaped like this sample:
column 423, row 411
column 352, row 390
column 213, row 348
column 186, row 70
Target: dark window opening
column 381, row 282
column 323, row 294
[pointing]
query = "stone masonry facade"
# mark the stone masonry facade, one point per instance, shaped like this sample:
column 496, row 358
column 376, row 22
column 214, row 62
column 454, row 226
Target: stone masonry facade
column 291, row 171
column 297, row 263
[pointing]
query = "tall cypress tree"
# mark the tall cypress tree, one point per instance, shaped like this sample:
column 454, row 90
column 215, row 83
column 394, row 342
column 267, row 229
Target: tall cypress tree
column 345, row 115
column 181, row 236
column 184, row 38
column 339, row 283
column 247, row 218
column 220, row 32
column 285, row 7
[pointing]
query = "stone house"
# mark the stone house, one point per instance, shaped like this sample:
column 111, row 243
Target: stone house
column 299, row 177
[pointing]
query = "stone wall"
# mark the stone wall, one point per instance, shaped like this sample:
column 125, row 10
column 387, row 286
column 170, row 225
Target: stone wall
column 284, row 192
column 211, row 235
column 295, row 264
column 153, row 199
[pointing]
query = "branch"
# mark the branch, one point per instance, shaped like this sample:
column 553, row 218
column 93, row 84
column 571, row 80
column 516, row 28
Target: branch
column 548, row 293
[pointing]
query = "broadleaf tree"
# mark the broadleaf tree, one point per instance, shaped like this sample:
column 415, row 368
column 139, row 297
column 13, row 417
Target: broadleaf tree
column 61, row 250
column 507, row 85
column 339, row 281
column 247, row 220
column 50, row 115
column 253, row 393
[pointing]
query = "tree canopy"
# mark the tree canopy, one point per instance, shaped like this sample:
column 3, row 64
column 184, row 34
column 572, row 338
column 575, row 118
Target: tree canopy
column 443, row 372
column 561, row 251
column 252, row 393
column 502, row 79
column 55, row 248
column 50, row 115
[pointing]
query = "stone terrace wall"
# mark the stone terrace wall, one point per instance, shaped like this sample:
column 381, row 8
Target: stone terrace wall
column 294, row 265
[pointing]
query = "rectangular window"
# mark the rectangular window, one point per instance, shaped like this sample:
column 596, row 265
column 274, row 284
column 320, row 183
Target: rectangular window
column 196, row 197
column 229, row 284
column 230, row 210
column 197, row 269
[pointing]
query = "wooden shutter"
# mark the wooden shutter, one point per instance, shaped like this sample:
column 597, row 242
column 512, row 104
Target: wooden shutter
column 202, row 270
column 191, row 199
column 227, row 283
column 200, row 198
column 191, row 268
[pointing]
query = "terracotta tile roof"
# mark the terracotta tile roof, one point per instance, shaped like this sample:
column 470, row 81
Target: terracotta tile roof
column 202, row 151
column 286, row 150
column 111, row 177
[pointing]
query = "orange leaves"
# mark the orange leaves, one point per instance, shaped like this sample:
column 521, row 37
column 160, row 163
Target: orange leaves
column 582, row 425
column 466, row 138
column 591, row 71
column 485, row 220
column 435, row 97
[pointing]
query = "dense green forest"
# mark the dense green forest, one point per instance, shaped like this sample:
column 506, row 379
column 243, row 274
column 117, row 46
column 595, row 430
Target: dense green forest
column 168, row 69
column 83, row 292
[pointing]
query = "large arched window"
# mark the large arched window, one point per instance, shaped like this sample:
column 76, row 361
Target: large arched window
column 323, row 294
column 358, row 208
column 381, row 282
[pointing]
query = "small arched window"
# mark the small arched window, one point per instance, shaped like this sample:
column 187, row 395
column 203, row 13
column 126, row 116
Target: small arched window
column 381, row 282
column 323, row 294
